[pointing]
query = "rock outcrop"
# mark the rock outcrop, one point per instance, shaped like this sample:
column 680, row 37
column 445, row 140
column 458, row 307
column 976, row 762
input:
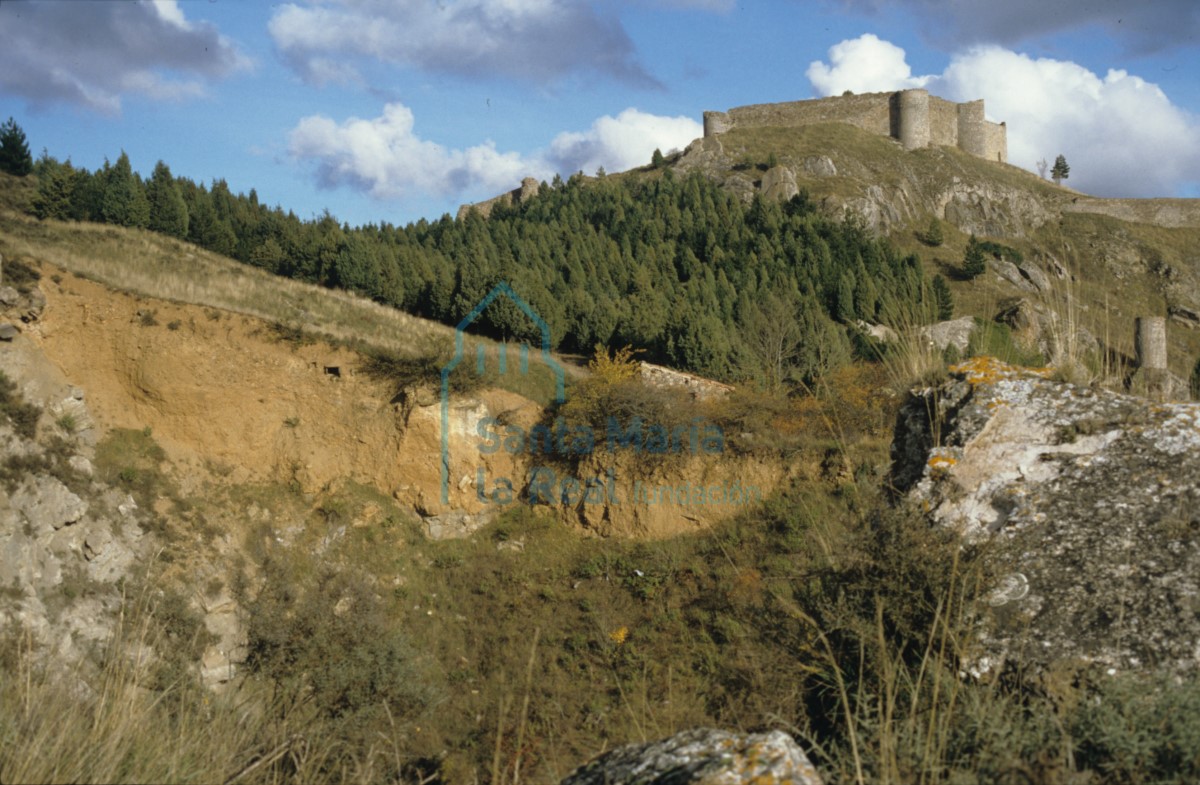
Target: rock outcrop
column 956, row 333
column 1092, row 500
column 703, row 757
column 779, row 183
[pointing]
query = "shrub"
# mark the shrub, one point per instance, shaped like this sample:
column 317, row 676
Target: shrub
column 23, row 416
column 943, row 298
column 933, row 235
column 330, row 637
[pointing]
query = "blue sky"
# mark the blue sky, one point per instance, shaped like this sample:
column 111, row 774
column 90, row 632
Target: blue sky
column 394, row 110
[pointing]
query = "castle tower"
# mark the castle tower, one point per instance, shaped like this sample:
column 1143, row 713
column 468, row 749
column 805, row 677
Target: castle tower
column 716, row 123
column 1150, row 346
column 972, row 129
column 914, row 118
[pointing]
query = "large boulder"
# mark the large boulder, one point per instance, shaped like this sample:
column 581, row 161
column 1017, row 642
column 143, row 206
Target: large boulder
column 956, row 333
column 779, row 183
column 1090, row 499
column 702, row 757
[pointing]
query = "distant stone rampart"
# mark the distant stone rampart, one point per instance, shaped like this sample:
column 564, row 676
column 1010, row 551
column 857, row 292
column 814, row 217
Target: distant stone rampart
column 914, row 117
column 529, row 189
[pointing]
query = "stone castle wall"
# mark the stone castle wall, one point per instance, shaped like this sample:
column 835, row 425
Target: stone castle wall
column 914, row 117
column 528, row 189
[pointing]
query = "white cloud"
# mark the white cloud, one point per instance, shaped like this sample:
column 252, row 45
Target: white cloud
column 385, row 158
column 533, row 40
column 169, row 11
column 864, row 64
column 621, row 142
column 92, row 54
column 1120, row 133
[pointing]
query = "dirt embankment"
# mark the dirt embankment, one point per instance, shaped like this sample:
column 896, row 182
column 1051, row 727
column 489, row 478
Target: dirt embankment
column 233, row 401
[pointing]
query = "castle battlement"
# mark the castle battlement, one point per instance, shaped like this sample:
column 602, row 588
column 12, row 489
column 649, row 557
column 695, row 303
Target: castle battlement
column 914, row 117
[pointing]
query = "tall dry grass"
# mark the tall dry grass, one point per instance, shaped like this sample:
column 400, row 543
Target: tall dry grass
column 117, row 722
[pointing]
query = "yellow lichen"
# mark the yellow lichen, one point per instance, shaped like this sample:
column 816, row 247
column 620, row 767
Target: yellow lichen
column 983, row 369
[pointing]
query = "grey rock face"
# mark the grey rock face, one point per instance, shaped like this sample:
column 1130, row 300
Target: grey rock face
column 1093, row 500
column 454, row 525
column 1035, row 276
column 1185, row 315
column 779, row 183
column 8, row 332
column 819, row 166
column 1011, row 273
column 47, row 504
column 956, row 332
column 702, row 757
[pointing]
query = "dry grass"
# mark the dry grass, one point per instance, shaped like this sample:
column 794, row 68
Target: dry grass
column 112, row 725
column 156, row 266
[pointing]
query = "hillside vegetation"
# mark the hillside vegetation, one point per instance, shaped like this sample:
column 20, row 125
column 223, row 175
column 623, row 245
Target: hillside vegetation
column 375, row 654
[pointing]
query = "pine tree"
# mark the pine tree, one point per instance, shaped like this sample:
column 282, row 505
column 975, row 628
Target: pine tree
column 974, row 262
column 14, row 150
column 933, row 236
column 844, row 302
column 943, row 299
column 168, row 211
column 124, row 202
column 657, row 160
column 1061, row 170
column 56, row 187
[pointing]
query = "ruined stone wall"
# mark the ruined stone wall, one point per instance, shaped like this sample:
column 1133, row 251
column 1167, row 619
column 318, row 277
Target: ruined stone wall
column 870, row 112
column 529, row 188
column 943, row 122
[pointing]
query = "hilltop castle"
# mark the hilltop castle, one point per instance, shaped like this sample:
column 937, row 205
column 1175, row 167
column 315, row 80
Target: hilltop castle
column 914, row 117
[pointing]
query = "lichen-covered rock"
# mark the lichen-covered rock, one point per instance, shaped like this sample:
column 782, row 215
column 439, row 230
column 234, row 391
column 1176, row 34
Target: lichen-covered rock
column 703, row 757
column 1093, row 499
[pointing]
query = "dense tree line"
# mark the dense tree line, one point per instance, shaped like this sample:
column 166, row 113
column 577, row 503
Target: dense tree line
column 673, row 265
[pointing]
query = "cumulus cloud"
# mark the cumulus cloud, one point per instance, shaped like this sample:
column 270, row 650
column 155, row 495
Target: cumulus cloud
column 1147, row 25
column 1120, row 133
column 531, row 40
column 621, row 142
column 864, row 64
column 385, row 158
column 92, row 54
